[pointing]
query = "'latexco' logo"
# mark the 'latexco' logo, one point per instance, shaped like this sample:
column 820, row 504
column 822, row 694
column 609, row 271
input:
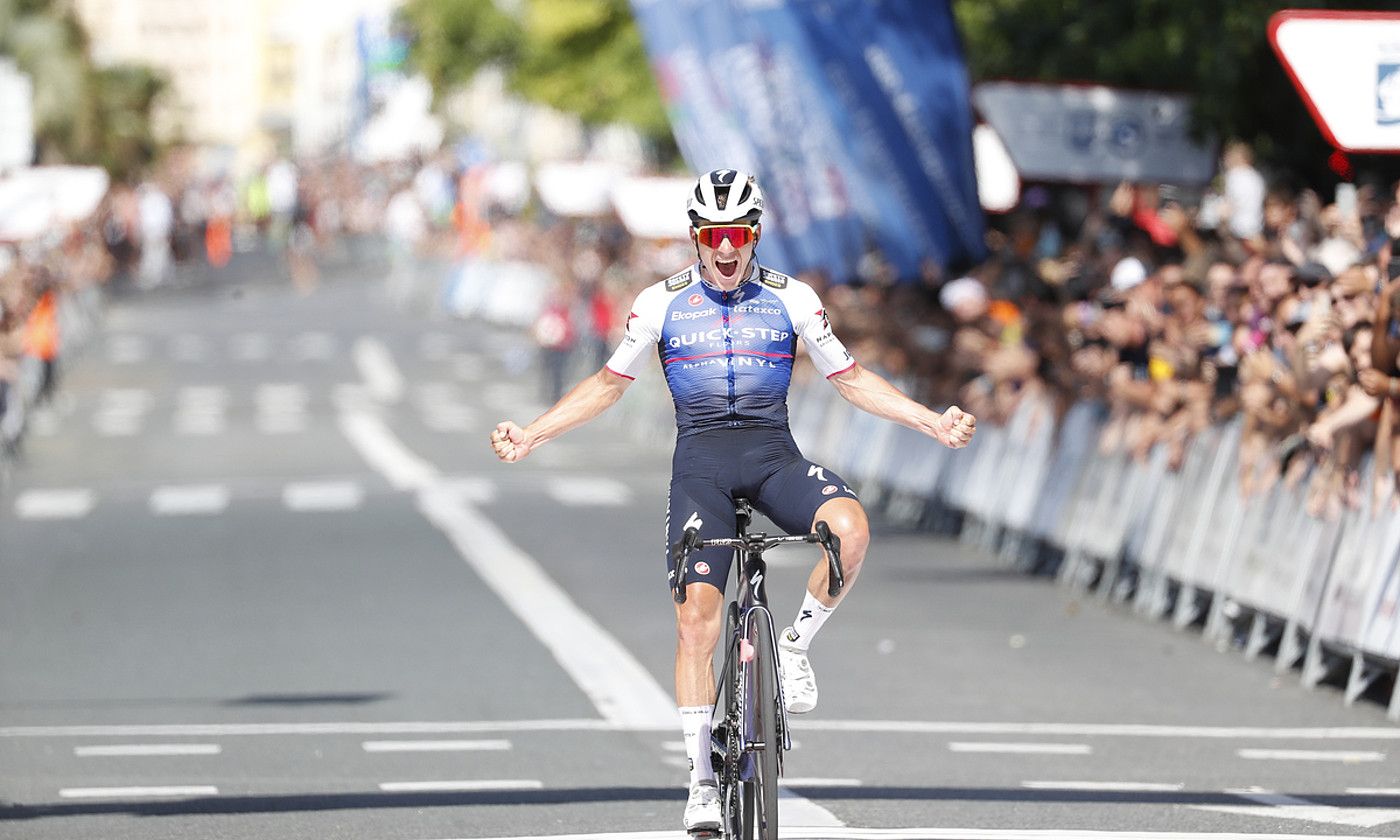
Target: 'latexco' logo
column 1388, row 93
column 691, row 316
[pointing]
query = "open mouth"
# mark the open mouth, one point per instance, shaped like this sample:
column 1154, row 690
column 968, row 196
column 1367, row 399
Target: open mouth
column 728, row 268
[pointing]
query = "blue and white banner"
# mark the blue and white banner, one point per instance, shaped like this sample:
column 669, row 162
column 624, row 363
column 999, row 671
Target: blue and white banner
column 853, row 114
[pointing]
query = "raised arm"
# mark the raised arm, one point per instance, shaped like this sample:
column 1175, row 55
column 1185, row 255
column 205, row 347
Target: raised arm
column 871, row 392
column 587, row 400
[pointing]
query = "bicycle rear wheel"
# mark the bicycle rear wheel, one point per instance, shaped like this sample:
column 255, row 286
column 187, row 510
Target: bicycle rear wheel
column 762, row 692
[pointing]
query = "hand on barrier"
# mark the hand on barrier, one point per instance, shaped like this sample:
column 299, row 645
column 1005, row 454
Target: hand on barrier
column 508, row 440
column 955, row 428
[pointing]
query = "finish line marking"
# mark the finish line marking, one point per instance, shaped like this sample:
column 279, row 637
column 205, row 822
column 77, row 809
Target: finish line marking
column 448, row 727
column 833, row 833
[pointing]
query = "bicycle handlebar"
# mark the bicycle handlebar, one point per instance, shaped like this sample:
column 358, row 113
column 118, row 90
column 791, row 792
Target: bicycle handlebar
column 821, row 533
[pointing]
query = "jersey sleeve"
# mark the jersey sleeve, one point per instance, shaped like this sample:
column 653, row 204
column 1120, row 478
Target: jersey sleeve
column 641, row 337
column 828, row 353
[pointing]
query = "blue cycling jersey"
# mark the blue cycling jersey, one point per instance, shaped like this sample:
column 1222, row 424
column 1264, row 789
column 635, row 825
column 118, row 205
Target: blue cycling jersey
column 727, row 355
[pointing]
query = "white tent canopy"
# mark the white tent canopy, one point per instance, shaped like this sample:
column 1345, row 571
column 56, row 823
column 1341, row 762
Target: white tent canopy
column 37, row 200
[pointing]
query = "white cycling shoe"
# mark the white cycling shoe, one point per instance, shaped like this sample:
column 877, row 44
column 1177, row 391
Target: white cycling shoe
column 702, row 808
column 799, row 683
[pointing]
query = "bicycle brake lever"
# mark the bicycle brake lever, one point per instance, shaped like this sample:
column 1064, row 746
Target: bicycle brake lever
column 680, row 554
column 836, row 577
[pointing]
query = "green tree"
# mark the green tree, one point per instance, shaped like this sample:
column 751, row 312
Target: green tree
column 83, row 114
column 583, row 57
column 1218, row 52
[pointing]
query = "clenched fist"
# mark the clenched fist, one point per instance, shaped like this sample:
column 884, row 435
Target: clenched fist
column 955, row 428
column 508, row 440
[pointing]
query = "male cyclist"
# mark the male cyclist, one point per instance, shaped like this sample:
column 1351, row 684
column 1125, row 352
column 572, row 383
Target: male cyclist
column 726, row 330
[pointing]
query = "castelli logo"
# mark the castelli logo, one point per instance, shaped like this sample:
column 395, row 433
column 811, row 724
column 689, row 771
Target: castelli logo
column 702, row 568
column 828, row 489
column 695, row 299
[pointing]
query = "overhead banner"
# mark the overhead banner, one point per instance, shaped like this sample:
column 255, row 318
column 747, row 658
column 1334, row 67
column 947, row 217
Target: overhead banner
column 853, row 114
column 1095, row 134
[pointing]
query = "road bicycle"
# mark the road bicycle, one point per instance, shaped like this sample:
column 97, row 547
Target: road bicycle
column 749, row 724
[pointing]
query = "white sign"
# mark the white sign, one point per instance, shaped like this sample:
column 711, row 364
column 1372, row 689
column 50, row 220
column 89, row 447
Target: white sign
column 1346, row 66
column 1095, row 134
column 16, row 117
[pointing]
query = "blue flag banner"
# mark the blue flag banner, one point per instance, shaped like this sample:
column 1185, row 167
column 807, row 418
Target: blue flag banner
column 854, row 115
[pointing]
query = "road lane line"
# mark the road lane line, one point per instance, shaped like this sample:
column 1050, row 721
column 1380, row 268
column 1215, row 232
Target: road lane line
column 376, row 366
column 582, row 491
column 1343, row 733
column 189, row 499
column 54, row 504
column 108, row 750
column 623, row 691
column 181, row 730
column 1278, row 806
column 1364, row 791
column 1021, row 749
column 306, row 496
column 434, row 746
column 1349, row 757
column 1107, row 787
column 796, row 810
column 133, row 792
column 814, row 781
column 463, row 785
column 825, row 833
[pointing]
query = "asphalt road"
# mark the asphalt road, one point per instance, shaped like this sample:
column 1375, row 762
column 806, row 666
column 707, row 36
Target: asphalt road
column 261, row 577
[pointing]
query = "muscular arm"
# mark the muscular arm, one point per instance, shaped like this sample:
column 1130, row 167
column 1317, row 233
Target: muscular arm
column 870, row 392
column 587, row 400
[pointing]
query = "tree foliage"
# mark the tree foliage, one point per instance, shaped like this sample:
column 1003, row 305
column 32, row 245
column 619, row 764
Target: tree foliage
column 1218, row 52
column 583, row 57
column 83, row 114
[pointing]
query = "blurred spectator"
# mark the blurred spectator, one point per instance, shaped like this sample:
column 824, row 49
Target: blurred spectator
column 1244, row 192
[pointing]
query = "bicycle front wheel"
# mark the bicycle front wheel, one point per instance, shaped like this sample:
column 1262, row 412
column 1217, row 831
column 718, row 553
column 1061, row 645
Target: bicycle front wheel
column 765, row 739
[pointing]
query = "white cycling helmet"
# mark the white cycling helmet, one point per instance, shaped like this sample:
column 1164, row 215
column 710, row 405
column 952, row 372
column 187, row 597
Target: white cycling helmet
column 725, row 195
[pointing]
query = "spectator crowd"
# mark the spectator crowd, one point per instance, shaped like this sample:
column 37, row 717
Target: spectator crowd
column 1245, row 301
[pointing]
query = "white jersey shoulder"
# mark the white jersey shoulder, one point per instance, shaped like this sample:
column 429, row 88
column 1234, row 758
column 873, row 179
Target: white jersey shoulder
column 644, row 323
column 810, row 322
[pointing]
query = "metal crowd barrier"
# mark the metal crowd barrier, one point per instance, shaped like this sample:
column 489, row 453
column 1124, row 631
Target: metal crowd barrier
column 1182, row 544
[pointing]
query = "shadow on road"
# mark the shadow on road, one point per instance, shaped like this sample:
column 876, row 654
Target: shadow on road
column 576, row 796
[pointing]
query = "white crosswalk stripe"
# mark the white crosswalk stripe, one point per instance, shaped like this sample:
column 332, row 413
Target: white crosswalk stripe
column 54, row 504
column 313, row 346
column 189, row 499
column 323, row 495
column 583, row 491
column 250, row 347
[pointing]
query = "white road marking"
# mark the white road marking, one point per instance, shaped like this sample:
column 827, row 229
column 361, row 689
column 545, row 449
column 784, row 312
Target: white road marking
column 54, row 504
column 313, row 346
column 108, row 750
column 578, row 491
column 207, row 730
column 124, row 400
column 199, row 424
column 677, row 761
column 110, row 424
column 434, row 746
column 1349, row 757
column 1112, row 730
column 622, row 690
column 189, row 347
column 127, row 349
column 200, row 410
column 281, row 424
column 250, row 347
column 189, row 499
column 1363, row 791
column 376, row 366
column 813, row 781
column 826, row 833
column 132, row 792
column 673, row 746
column 1277, row 806
column 1136, row 787
column 464, row 785
column 323, row 495
column 796, row 810
column 1022, row 749
column 281, row 395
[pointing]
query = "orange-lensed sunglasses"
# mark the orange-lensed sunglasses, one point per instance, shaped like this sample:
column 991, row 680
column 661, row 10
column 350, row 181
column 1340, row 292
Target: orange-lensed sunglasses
column 738, row 235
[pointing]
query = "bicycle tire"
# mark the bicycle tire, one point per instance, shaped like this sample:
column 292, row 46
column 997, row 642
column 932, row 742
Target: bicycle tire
column 732, row 802
column 763, row 690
